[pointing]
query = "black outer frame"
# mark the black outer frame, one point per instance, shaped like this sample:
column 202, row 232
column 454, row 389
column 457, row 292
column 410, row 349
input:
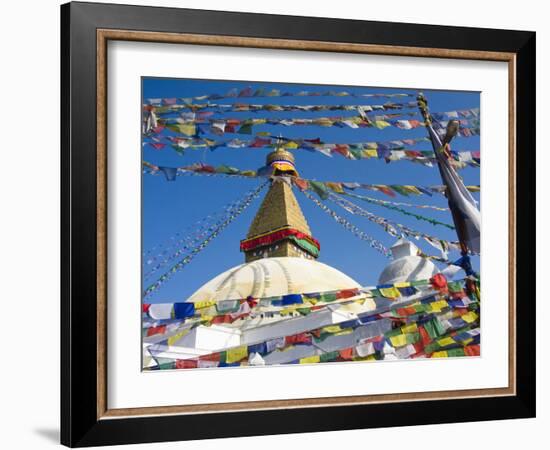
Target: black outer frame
column 79, row 423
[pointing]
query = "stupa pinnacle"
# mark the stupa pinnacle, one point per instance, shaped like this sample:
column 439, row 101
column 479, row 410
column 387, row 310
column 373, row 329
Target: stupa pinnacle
column 279, row 227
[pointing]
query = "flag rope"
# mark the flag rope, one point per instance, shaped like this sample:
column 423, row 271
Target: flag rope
column 188, row 258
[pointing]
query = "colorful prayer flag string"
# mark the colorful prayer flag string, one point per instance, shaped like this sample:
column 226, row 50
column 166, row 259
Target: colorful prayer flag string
column 191, row 127
column 393, row 228
column 386, row 204
column 390, row 203
column 320, row 187
column 189, row 257
column 388, row 151
column 183, row 243
column 435, row 319
column 262, row 92
column 198, row 109
column 377, row 245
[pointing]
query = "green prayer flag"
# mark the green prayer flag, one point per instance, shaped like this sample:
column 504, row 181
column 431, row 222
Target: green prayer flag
column 226, row 169
column 328, row 297
column 246, row 128
column 454, row 352
column 430, row 329
column 399, row 189
column 330, row 356
column 320, row 189
column 438, row 326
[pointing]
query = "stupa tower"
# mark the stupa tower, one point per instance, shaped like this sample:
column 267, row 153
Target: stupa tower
column 279, row 227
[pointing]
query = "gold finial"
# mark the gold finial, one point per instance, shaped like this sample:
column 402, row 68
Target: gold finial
column 280, row 154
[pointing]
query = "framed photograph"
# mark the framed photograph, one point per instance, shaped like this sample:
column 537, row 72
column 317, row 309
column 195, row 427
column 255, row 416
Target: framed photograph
column 276, row 224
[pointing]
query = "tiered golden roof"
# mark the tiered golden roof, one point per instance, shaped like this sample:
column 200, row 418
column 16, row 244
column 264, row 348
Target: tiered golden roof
column 279, row 210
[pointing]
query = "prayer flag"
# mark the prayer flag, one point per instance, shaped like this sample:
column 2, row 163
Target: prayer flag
column 236, row 354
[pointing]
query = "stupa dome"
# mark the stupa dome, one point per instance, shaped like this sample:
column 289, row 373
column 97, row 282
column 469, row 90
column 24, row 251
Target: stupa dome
column 273, row 276
column 407, row 265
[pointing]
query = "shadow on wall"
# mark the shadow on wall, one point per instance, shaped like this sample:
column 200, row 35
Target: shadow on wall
column 49, row 434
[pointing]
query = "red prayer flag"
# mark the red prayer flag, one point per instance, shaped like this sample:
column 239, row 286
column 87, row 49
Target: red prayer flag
column 314, row 141
column 156, row 330
column 346, row 353
column 424, row 335
column 186, row 364
column 347, row 293
column 472, row 350
column 210, row 357
column 386, row 190
column 302, row 184
column 302, row 338
column 439, row 282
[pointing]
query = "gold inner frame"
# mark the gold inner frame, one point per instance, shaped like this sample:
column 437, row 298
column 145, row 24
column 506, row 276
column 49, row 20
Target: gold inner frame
column 103, row 36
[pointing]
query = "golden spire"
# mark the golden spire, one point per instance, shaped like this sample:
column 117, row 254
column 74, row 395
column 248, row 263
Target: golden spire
column 279, row 227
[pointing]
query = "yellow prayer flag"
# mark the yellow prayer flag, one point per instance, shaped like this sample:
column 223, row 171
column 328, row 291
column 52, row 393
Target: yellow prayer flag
column 410, row 328
column 381, row 124
column 189, row 129
column 310, row 359
column 398, row 341
column 324, row 122
column 403, row 284
column 469, row 317
column 236, row 354
column 370, row 153
column 209, row 311
column 204, row 304
column 336, row 187
column 332, row 329
column 442, row 354
column 438, row 306
column 390, row 292
column 412, row 189
column 446, row 341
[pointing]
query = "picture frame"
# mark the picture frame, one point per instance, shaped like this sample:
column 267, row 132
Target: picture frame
column 86, row 29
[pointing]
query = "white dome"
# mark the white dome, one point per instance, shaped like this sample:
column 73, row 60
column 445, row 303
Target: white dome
column 408, row 268
column 270, row 277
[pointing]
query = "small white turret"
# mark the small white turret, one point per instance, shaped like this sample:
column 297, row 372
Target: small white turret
column 403, row 248
column 407, row 265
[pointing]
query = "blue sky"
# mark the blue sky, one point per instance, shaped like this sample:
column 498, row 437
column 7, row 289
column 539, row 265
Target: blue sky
column 171, row 207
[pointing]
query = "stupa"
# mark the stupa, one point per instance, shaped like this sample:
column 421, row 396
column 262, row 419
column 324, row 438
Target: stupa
column 280, row 256
column 407, row 265
column 280, row 252
column 280, row 259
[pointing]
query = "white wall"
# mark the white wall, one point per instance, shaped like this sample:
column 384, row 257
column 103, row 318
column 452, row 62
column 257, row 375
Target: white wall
column 29, row 237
